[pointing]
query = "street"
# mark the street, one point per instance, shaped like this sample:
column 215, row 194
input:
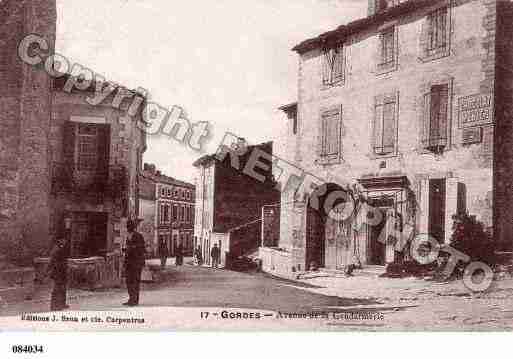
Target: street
column 198, row 298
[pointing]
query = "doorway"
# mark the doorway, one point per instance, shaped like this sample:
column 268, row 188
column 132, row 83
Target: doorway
column 437, row 190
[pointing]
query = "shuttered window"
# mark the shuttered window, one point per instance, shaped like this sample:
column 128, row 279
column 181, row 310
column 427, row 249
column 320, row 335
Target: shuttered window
column 436, row 112
column 87, row 147
column 330, row 133
column 385, row 125
column 333, row 65
column 387, row 46
column 437, row 30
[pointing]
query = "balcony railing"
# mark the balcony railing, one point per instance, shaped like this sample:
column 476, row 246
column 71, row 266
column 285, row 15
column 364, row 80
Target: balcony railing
column 111, row 182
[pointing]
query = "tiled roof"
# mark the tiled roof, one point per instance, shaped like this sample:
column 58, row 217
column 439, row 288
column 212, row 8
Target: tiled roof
column 358, row 25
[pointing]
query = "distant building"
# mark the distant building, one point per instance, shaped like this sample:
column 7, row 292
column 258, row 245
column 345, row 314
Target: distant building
column 229, row 202
column 167, row 210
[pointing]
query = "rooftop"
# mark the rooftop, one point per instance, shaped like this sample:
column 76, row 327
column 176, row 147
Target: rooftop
column 341, row 32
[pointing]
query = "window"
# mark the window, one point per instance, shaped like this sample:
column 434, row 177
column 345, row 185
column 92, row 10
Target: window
column 175, row 213
column 385, row 128
column 388, row 47
column 333, row 65
column 437, row 31
column 436, row 105
column 87, row 147
column 164, row 213
column 330, row 139
column 182, row 214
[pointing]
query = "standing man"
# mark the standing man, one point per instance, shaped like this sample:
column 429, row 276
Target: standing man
column 163, row 252
column 179, row 255
column 215, row 253
column 135, row 259
column 59, row 273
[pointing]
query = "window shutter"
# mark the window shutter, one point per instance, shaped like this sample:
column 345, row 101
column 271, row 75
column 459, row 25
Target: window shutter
column 426, row 120
column 378, row 125
column 442, row 115
column 69, row 145
column 338, row 65
column 326, row 66
column 103, row 148
column 389, row 127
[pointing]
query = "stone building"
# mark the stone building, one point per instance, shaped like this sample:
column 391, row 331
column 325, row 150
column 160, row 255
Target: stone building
column 25, row 113
column 71, row 168
column 412, row 104
column 229, row 200
column 167, row 210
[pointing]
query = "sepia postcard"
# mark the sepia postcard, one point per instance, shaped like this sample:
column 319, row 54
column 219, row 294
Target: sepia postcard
column 306, row 165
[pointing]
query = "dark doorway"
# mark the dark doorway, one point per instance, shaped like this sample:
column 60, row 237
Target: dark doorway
column 437, row 209
column 377, row 249
column 315, row 246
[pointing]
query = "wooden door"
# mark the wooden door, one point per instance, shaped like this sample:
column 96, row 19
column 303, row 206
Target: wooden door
column 437, row 209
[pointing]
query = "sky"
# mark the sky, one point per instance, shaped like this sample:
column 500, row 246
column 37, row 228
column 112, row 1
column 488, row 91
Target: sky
column 228, row 62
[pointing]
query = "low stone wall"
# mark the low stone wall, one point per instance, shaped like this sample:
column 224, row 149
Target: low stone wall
column 95, row 272
column 277, row 262
column 16, row 284
column 86, row 273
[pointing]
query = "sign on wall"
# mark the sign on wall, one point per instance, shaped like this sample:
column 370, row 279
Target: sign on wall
column 475, row 110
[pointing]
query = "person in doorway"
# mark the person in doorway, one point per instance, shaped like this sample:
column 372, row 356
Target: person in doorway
column 198, row 255
column 215, row 254
column 179, row 255
column 59, row 273
column 163, row 253
column 135, row 260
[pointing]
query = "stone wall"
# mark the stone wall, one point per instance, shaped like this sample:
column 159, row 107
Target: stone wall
column 25, row 122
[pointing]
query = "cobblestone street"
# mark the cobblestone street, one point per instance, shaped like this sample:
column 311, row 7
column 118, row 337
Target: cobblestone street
column 181, row 303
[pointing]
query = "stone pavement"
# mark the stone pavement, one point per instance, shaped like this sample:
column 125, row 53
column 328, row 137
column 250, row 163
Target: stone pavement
column 363, row 302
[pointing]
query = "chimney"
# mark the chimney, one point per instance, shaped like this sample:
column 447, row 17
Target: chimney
column 376, row 6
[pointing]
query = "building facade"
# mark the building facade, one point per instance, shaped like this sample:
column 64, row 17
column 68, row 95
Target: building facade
column 229, row 201
column 167, row 212
column 411, row 104
column 71, row 168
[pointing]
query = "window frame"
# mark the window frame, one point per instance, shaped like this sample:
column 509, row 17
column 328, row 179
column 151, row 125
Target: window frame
column 431, row 33
column 78, row 146
column 424, row 115
column 391, row 64
column 326, row 115
column 333, row 80
column 383, row 100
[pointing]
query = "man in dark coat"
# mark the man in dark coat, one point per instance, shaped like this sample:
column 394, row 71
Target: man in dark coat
column 135, row 258
column 163, row 252
column 58, row 269
column 179, row 255
column 215, row 253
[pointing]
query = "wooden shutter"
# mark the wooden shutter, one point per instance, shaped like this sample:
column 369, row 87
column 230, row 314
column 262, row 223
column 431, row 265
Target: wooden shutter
column 441, row 24
column 338, row 64
column 333, row 65
column 378, row 126
column 69, row 139
column 423, row 215
column 442, row 114
column 103, row 149
column 389, row 127
column 455, row 203
column 326, row 66
column 426, row 120
column 385, row 124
